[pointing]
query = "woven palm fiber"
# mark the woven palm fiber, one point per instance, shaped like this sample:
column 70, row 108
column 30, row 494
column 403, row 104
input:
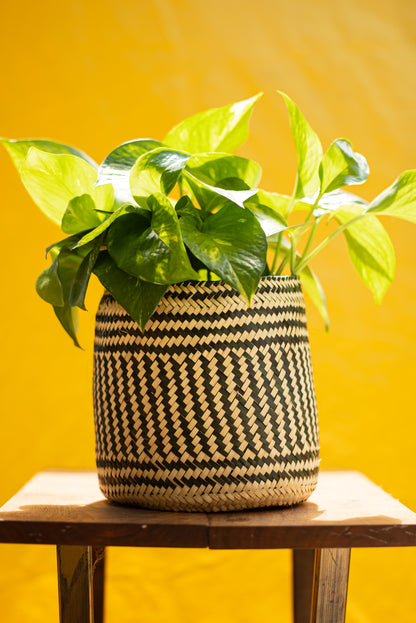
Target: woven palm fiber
column 212, row 408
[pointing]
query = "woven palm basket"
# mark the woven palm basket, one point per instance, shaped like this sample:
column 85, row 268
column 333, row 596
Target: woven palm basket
column 213, row 407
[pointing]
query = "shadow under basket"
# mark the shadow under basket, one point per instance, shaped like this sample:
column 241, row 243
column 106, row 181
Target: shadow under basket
column 212, row 408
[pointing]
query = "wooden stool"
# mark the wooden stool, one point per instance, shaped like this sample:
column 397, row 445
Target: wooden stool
column 347, row 510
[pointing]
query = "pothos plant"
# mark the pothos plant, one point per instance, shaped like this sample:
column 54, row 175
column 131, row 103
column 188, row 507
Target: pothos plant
column 156, row 213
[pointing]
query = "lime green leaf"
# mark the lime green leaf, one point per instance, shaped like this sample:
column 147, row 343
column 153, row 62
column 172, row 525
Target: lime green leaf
column 53, row 180
column 139, row 298
column 370, row 249
column 399, row 199
column 81, row 215
column 156, row 171
column 308, row 148
column 314, row 290
column 218, row 129
column 49, row 287
column 231, row 243
column 18, row 149
column 341, row 166
column 216, row 168
column 68, row 317
column 151, row 249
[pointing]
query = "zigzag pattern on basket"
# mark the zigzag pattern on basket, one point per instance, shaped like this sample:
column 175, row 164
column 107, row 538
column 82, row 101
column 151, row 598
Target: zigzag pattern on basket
column 213, row 407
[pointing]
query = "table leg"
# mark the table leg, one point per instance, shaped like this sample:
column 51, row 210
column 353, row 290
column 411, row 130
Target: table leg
column 303, row 566
column 80, row 583
column 330, row 583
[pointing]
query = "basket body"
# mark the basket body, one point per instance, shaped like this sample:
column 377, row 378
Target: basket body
column 213, row 407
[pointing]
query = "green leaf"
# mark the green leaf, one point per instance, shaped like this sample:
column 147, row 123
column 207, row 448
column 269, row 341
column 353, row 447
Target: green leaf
column 80, row 283
column 116, row 167
column 232, row 244
column 370, row 249
column 218, row 129
column 55, row 247
column 308, row 148
column 222, row 171
column 329, row 202
column 68, row 263
column 152, row 249
column 139, row 298
column 235, row 196
column 268, row 209
column 314, row 290
column 49, row 287
column 156, row 171
column 399, row 199
column 341, row 166
column 127, row 209
column 184, row 206
column 68, row 317
column 81, row 215
column 53, row 180
column 18, row 149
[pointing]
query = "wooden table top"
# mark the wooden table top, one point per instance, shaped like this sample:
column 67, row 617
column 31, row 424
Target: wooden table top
column 67, row 507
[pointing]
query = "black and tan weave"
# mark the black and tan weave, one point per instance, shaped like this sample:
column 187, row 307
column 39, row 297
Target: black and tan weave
column 213, row 407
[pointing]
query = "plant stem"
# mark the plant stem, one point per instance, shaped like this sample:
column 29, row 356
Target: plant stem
column 308, row 244
column 281, row 265
column 292, row 256
column 276, row 253
column 305, row 260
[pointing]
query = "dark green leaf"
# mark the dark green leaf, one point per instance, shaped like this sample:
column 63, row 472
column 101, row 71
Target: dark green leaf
column 80, row 283
column 341, row 166
column 185, row 207
column 69, row 262
column 308, row 148
column 18, row 149
column 49, row 287
column 153, row 249
column 399, row 199
column 218, row 129
column 68, row 317
column 232, row 244
column 80, row 215
column 370, row 249
column 55, row 247
column 156, row 171
column 109, row 221
column 139, row 298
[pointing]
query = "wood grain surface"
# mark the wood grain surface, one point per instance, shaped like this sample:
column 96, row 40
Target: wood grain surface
column 67, row 507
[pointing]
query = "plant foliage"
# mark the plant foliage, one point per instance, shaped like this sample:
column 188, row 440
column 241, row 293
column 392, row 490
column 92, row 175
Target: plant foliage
column 156, row 213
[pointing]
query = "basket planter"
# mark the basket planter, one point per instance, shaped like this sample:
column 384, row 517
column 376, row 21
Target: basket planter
column 213, row 407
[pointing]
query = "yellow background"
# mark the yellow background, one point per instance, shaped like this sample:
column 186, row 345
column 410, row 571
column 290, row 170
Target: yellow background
column 96, row 73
